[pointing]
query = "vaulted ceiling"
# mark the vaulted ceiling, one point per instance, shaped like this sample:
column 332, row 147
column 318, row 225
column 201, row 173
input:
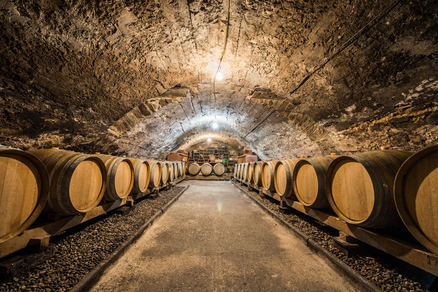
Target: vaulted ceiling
column 138, row 77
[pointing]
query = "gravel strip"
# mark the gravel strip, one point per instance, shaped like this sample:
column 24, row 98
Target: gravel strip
column 381, row 269
column 74, row 253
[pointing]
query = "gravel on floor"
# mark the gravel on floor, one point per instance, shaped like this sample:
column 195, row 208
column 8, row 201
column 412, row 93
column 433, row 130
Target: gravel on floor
column 74, row 253
column 381, row 269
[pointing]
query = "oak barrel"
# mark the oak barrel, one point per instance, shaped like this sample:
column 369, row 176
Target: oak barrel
column 176, row 167
column 155, row 174
column 175, row 170
column 24, row 189
column 77, row 181
column 206, row 169
column 416, row 196
column 180, row 169
column 171, row 171
column 120, row 177
column 360, row 187
column 268, row 168
column 239, row 171
column 283, row 177
column 242, row 169
column 194, row 169
column 164, row 172
column 184, row 168
column 141, row 175
column 219, row 169
column 250, row 172
column 244, row 172
column 309, row 181
column 257, row 174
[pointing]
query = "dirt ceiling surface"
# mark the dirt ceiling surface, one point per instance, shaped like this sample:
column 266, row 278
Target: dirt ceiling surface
column 299, row 77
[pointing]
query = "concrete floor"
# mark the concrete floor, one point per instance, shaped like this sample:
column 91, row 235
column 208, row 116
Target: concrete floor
column 216, row 239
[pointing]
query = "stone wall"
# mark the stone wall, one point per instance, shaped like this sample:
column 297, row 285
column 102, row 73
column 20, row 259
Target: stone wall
column 98, row 75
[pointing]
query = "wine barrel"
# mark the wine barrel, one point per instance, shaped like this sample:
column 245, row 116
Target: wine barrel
column 164, row 172
column 219, row 169
column 77, row 181
column 24, row 189
column 177, row 169
column 155, row 174
column 250, row 172
column 238, row 167
column 184, row 168
column 309, row 181
column 236, row 171
column 206, row 169
column 120, row 176
column 268, row 168
column 283, row 177
column 194, row 169
column 416, row 196
column 244, row 174
column 257, row 173
column 171, row 171
column 141, row 175
column 360, row 187
column 242, row 169
column 180, row 169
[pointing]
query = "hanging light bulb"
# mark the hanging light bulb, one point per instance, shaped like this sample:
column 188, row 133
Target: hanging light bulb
column 214, row 125
column 209, row 139
column 219, row 76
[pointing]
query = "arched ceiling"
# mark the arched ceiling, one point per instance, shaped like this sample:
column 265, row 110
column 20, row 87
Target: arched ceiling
column 189, row 119
column 137, row 77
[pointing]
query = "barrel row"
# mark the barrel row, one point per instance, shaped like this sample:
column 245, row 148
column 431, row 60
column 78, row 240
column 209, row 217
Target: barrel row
column 70, row 183
column 206, row 169
column 376, row 189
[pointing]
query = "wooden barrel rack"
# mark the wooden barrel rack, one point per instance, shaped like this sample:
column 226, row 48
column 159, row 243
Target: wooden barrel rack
column 37, row 183
column 407, row 191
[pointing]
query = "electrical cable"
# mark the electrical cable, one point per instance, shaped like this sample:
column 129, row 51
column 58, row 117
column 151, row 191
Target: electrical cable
column 383, row 13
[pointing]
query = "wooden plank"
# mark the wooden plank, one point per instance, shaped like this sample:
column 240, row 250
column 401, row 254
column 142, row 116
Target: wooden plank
column 140, row 195
column 273, row 195
column 405, row 251
column 253, row 187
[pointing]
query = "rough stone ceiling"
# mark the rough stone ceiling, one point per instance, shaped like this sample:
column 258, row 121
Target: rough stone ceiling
column 137, row 77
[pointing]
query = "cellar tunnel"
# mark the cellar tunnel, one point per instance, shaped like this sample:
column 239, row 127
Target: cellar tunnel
column 139, row 77
column 258, row 119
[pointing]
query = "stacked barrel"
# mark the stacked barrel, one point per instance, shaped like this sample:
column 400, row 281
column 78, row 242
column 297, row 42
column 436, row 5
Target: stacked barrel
column 69, row 183
column 377, row 189
column 207, row 169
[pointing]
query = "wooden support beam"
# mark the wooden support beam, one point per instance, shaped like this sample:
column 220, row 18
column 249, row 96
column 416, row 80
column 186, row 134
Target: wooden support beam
column 41, row 234
column 415, row 255
column 273, row 195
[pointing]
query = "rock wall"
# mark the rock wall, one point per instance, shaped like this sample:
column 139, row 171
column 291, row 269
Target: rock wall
column 81, row 74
